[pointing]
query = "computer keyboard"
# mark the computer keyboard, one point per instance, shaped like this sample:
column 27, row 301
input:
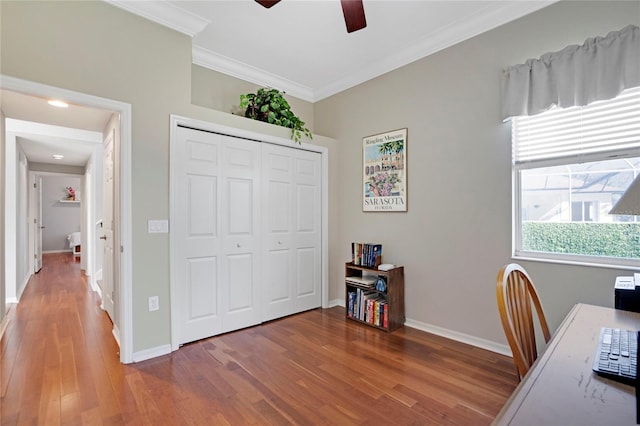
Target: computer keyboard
column 617, row 355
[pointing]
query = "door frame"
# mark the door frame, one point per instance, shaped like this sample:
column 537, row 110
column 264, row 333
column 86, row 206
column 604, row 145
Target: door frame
column 36, row 215
column 175, row 122
column 125, row 303
column 33, row 177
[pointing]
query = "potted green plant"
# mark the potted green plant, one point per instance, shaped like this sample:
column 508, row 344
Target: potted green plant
column 269, row 105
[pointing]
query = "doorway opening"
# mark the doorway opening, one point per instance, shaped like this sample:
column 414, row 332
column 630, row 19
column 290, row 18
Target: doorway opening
column 15, row 231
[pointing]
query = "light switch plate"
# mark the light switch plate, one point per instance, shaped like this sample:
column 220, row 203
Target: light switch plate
column 154, row 303
column 158, row 226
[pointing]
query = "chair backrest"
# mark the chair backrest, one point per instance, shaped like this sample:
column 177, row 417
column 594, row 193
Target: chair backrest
column 516, row 293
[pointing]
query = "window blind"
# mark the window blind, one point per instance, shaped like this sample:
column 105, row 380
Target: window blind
column 611, row 125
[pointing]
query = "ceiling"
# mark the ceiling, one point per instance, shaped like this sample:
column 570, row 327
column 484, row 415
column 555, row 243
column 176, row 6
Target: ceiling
column 299, row 46
column 43, row 130
column 302, row 46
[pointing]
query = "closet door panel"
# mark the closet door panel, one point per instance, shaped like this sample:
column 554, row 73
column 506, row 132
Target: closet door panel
column 247, row 232
column 241, row 233
column 201, row 287
column 197, row 248
column 305, row 280
column 277, row 184
column 291, row 185
column 308, row 231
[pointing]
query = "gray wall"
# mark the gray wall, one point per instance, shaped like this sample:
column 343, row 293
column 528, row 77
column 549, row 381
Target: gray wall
column 59, row 219
column 95, row 48
column 221, row 92
column 457, row 232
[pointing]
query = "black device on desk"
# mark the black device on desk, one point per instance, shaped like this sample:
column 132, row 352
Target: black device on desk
column 628, row 300
column 626, row 294
column 617, row 358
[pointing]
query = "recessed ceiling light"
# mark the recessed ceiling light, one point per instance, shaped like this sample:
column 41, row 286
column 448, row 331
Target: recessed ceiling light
column 57, row 103
column 58, row 156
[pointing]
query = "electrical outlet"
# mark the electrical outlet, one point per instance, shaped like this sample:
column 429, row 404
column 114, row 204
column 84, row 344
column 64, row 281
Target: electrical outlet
column 154, row 303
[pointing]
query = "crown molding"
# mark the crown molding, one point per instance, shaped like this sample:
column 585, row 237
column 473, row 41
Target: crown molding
column 166, row 14
column 241, row 70
column 435, row 42
column 188, row 23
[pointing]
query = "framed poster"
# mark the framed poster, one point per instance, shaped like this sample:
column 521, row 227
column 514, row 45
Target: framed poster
column 384, row 172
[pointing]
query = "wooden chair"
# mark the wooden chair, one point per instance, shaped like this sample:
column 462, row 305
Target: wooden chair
column 516, row 293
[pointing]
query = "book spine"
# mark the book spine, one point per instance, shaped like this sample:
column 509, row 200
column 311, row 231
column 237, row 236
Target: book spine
column 351, row 297
column 366, row 254
column 386, row 316
column 377, row 255
column 353, row 253
column 376, row 313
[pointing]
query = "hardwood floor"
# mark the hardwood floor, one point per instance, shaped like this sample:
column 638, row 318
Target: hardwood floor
column 60, row 365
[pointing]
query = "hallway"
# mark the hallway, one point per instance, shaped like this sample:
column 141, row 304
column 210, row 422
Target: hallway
column 58, row 355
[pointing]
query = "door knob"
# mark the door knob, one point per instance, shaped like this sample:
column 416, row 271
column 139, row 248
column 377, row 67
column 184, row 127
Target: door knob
column 104, row 237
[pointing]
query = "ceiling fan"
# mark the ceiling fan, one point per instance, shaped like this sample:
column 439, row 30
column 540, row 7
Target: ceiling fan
column 353, row 12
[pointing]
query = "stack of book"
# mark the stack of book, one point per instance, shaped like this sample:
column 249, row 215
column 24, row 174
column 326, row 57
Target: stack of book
column 366, row 254
column 368, row 306
column 366, row 281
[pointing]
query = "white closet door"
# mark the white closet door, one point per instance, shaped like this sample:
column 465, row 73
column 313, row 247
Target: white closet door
column 198, row 248
column 241, row 233
column 291, row 228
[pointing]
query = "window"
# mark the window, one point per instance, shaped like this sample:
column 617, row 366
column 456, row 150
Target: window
column 570, row 167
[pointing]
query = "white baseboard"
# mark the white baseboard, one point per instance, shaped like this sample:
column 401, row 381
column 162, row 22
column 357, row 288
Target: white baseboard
column 116, row 334
column 3, row 325
column 151, row 353
column 11, row 300
column 449, row 334
column 57, row 251
column 95, row 287
column 460, row 337
column 20, row 289
column 336, row 302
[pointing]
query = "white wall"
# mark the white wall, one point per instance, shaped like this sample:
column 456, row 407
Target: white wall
column 22, row 224
column 2, row 226
column 92, row 201
column 59, row 219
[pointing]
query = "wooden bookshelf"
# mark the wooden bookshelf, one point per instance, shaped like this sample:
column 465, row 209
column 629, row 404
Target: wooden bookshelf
column 393, row 297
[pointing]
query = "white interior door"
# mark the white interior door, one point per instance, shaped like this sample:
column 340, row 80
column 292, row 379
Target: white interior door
column 107, row 226
column 291, row 224
column 38, row 225
column 196, row 227
column 240, row 245
column 241, row 233
column 216, row 242
column 308, row 230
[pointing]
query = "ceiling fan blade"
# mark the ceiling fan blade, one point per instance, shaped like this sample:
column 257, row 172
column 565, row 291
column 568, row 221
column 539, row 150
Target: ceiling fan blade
column 353, row 11
column 267, row 3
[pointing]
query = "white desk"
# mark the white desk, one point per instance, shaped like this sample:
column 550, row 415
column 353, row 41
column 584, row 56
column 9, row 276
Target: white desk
column 562, row 389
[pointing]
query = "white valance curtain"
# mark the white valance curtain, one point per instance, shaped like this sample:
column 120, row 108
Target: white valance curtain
column 599, row 69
